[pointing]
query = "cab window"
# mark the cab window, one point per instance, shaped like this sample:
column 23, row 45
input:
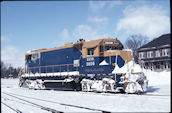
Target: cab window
column 114, row 48
column 90, row 51
column 101, row 48
column 29, row 57
column 108, row 48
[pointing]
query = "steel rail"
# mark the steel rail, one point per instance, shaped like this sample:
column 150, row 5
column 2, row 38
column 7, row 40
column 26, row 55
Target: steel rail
column 82, row 107
column 40, row 106
column 16, row 110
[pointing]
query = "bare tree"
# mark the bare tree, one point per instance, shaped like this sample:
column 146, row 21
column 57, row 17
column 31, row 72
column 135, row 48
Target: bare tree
column 3, row 70
column 134, row 42
column 9, row 71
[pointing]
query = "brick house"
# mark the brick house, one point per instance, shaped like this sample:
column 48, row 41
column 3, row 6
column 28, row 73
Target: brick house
column 156, row 55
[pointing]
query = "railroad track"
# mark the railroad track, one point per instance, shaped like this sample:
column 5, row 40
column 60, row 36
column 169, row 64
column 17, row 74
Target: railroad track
column 28, row 102
column 153, row 94
column 64, row 104
column 49, row 109
column 13, row 109
column 125, row 94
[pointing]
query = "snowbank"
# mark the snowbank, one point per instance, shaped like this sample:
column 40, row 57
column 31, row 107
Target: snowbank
column 158, row 78
column 154, row 78
column 9, row 82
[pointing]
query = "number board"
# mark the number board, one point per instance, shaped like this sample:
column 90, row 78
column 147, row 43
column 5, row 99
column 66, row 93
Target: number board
column 108, row 42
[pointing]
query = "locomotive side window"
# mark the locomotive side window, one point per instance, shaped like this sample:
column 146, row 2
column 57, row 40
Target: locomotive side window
column 114, row 48
column 108, row 48
column 90, row 51
column 29, row 57
column 101, row 48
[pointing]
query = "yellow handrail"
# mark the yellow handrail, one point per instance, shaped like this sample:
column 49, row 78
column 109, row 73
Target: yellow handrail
column 52, row 66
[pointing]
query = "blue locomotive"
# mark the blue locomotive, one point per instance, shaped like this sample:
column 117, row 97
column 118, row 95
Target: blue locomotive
column 85, row 65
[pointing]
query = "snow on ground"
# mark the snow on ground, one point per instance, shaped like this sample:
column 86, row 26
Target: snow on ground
column 158, row 99
column 159, row 82
column 158, row 78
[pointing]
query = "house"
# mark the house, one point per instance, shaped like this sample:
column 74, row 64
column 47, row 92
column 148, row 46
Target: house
column 156, row 55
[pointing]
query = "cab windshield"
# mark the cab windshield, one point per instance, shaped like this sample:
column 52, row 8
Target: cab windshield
column 106, row 48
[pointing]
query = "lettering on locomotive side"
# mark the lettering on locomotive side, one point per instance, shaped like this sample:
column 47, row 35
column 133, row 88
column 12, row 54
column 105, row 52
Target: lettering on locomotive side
column 94, row 70
column 90, row 61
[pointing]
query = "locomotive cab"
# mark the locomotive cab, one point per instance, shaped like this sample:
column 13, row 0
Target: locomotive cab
column 104, row 49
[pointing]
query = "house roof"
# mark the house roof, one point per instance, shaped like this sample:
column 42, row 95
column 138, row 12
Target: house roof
column 157, row 42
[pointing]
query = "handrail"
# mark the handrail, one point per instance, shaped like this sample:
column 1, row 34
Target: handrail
column 52, row 67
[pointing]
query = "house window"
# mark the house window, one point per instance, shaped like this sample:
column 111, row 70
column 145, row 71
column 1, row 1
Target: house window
column 157, row 52
column 90, row 51
column 158, row 65
column 165, row 52
column 150, row 54
column 166, row 65
column 141, row 55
